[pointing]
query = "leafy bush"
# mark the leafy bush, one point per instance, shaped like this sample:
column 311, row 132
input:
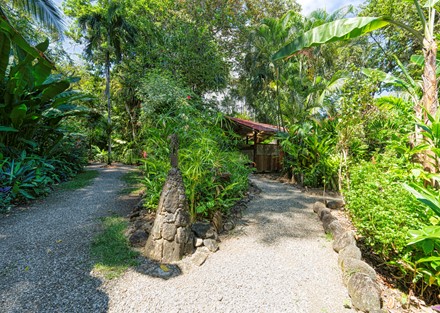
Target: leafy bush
column 310, row 154
column 424, row 260
column 381, row 209
column 26, row 177
column 214, row 174
column 35, row 149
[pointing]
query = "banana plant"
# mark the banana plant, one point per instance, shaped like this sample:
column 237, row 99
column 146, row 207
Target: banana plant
column 350, row 28
column 33, row 102
column 426, row 196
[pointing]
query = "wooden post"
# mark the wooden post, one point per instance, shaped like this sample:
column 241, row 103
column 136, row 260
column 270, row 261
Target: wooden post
column 255, row 146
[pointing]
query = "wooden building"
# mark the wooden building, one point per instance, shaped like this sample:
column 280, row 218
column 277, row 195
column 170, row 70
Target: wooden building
column 257, row 143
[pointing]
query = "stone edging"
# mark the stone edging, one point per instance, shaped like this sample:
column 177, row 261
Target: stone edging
column 358, row 276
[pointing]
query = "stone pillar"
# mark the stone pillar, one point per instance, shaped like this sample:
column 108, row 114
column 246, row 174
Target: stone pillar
column 171, row 236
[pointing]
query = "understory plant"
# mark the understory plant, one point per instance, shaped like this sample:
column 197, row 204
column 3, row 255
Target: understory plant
column 36, row 149
column 310, row 154
column 393, row 225
column 214, row 172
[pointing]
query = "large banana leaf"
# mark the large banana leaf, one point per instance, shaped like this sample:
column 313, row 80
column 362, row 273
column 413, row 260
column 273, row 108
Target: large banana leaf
column 16, row 38
column 330, row 32
column 427, row 197
column 53, row 89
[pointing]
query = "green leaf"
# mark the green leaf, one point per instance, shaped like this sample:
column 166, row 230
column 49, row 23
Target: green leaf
column 7, row 129
column 54, row 89
column 429, row 259
column 40, row 73
column 17, row 114
column 338, row 30
column 436, row 130
column 43, row 46
column 418, row 59
column 31, row 143
column 425, row 196
column 18, row 39
column 386, row 78
column 26, row 194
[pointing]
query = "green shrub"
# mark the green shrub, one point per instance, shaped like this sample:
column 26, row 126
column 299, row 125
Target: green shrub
column 310, row 154
column 206, row 155
column 380, row 208
column 28, row 176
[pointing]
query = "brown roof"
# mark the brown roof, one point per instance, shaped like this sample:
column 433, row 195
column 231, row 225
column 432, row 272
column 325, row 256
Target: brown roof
column 257, row 126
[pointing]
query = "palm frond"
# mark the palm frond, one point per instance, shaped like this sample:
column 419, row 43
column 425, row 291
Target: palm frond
column 45, row 12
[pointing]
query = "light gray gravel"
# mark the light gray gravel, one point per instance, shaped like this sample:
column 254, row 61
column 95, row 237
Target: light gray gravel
column 276, row 260
column 44, row 250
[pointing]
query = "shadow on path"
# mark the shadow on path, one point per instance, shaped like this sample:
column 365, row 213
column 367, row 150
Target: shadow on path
column 45, row 263
column 281, row 211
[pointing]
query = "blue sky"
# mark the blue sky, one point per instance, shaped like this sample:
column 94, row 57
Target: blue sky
column 330, row 5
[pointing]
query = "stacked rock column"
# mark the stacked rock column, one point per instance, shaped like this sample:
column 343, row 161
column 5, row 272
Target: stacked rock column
column 171, row 236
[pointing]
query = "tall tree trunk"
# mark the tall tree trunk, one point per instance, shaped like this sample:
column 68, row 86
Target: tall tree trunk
column 430, row 96
column 430, row 93
column 109, row 107
column 132, row 121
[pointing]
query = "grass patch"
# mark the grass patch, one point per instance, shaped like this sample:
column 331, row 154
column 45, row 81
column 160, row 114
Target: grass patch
column 133, row 179
column 110, row 249
column 81, row 180
column 328, row 237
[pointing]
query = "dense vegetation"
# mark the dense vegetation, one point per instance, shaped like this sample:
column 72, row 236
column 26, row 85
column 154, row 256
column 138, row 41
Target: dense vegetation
column 361, row 113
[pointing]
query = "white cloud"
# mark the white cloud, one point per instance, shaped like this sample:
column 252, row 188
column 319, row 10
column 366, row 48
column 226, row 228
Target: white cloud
column 330, row 5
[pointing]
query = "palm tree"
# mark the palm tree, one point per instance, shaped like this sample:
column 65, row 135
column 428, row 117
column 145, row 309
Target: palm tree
column 344, row 29
column 44, row 11
column 264, row 75
column 105, row 31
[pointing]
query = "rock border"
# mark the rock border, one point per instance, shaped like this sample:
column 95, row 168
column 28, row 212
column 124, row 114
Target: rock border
column 359, row 277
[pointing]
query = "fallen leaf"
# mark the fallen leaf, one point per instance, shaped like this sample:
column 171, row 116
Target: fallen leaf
column 164, row 268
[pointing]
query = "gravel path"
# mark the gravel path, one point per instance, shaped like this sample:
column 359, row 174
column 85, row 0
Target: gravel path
column 277, row 260
column 44, row 250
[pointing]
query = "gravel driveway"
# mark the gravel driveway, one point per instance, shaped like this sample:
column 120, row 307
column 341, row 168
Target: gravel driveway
column 277, row 260
column 44, row 249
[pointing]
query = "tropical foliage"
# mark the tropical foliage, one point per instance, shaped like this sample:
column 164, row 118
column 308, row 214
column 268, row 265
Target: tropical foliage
column 36, row 149
column 356, row 90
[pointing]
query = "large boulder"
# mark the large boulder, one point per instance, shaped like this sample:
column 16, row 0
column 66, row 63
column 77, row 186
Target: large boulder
column 350, row 251
column 327, row 219
column 364, row 293
column 333, row 227
column 336, row 204
column 211, row 244
column 344, row 240
column 318, row 206
column 322, row 212
column 352, row 266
